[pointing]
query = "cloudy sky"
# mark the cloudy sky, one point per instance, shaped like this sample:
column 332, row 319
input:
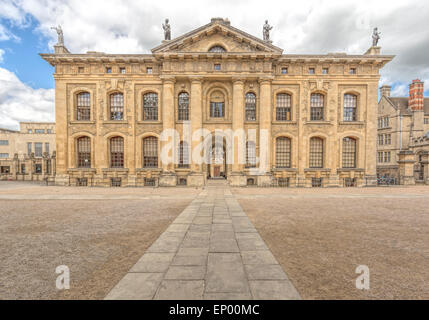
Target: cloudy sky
column 135, row 26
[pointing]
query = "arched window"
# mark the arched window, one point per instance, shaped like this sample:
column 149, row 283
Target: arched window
column 183, row 105
column 250, row 154
column 317, row 106
column 183, row 155
column 217, row 49
column 350, row 107
column 316, row 153
column 283, row 152
column 349, row 153
column 150, row 106
column 117, row 152
column 83, row 146
column 217, row 105
column 116, row 106
column 150, row 152
column 283, row 107
column 250, row 107
column 83, row 106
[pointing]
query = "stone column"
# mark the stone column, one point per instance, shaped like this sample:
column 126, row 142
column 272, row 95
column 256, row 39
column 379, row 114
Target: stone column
column 62, row 177
column 265, row 141
column 406, row 167
column 238, row 124
column 371, row 135
column 168, row 178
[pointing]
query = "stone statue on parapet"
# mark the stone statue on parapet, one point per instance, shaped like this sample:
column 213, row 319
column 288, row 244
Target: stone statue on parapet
column 375, row 37
column 266, row 31
column 167, row 30
column 60, row 35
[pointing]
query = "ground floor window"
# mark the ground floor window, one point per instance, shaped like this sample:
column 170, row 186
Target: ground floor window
column 283, row 182
column 149, row 182
column 116, row 182
column 349, row 182
column 82, row 182
column 182, row 181
column 38, row 168
column 251, row 182
column 5, row 169
column 316, row 182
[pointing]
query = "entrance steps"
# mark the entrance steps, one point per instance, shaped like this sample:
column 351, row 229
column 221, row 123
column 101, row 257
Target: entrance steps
column 217, row 182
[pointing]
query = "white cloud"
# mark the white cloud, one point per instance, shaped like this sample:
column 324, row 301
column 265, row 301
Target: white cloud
column 19, row 102
column 1, row 55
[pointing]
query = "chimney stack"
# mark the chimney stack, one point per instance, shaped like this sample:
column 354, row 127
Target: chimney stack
column 415, row 102
column 385, row 91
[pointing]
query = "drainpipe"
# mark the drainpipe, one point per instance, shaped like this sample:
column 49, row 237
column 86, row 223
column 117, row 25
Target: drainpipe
column 400, row 132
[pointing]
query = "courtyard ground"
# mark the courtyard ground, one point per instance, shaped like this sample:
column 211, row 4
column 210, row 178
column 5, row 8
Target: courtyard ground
column 320, row 236
column 98, row 233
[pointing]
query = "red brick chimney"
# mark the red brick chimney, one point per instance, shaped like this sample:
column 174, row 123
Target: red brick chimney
column 415, row 102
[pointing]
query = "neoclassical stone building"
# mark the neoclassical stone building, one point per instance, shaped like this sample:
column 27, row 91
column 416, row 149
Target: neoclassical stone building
column 293, row 120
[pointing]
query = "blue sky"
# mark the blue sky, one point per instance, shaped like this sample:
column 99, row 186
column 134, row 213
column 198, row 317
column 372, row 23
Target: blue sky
column 135, row 26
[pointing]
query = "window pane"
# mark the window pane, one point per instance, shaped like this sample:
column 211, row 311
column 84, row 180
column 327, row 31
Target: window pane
column 350, row 106
column 150, row 106
column 283, row 152
column 316, row 153
column 83, row 108
column 84, row 152
column 183, row 155
column 217, row 109
column 183, row 106
column 349, row 153
column 117, row 152
column 283, row 110
column 250, row 107
column 217, row 49
column 38, row 149
column 250, row 154
column 117, row 106
column 29, row 148
column 316, row 106
column 150, row 152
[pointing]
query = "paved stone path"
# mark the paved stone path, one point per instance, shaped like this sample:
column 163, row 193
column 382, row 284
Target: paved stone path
column 211, row 251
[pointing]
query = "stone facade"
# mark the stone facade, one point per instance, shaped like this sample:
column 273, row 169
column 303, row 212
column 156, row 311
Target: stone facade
column 223, row 72
column 28, row 154
column 403, row 139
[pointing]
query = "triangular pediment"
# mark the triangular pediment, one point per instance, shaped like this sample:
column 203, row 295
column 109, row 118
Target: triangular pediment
column 217, row 33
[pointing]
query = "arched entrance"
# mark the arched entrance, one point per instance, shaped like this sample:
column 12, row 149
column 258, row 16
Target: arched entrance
column 217, row 167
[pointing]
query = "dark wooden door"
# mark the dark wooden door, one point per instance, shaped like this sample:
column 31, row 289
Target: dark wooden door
column 216, row 171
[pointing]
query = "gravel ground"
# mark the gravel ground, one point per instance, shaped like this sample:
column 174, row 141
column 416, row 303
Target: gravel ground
column 99, row 240
column 320, row 236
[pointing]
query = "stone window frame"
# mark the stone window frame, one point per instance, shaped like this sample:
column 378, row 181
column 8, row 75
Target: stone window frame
column 292, row 90
column 323, row 152
column 246, row 103
column 276, row 153
column 147, row 93
column 217, row 86
column 109, row 149
column 324, row 108
column 139, row 94
column 346, row 156
column 181, row 92
column 73, row 103
column 290, row 107
column 251, row 154
column 356, row 108
column 77, row 156
column 76, row 106
column 183, row 155
column 157, row 151
column 109, row 103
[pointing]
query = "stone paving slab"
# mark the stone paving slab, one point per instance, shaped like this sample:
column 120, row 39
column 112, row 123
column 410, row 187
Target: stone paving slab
column 211, row 251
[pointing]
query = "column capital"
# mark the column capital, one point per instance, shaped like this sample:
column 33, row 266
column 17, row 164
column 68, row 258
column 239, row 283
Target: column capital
column 166, row 79
column 196, row 79
column 237, row 80
column 265, row 80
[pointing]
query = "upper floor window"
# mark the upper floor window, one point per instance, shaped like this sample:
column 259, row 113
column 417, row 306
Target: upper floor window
column 316, row 153
column 4, row 142
column 325, row 70
column 284, row 70
column 49, row 131
column 47, row 147
column 116, row 106
column 29, row 148
column 251, row 154
column 250, row 107
column 217, row 105
column 388, row 139
column 283, row 107
column 311, row 71
column 380, row 139
column 40, row 131
column 150, row 152
column 217, row 49
column 150, row 106
column 317, row 105
column 4, row 155
column 83, row 146
column 217, row 66
column 117, row 152
column 80, row 69
column 349, row 153
column 426, row 120
column 149, row 70
column 38, row 149
column 352, row 71
column 83, row 106
column 108, row 70
column 283, row 152
column 386, row 122
column 350, row 107
column 183, row 106
column 122, row 70
column 30, row 131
